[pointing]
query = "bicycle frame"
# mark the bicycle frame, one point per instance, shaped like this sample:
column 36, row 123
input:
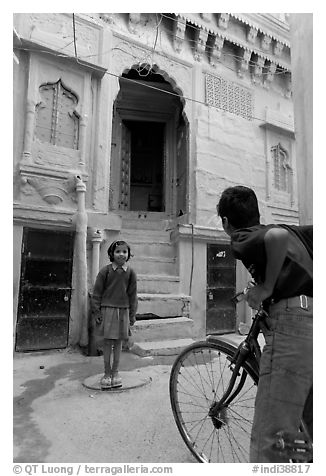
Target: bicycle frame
column 248, row 350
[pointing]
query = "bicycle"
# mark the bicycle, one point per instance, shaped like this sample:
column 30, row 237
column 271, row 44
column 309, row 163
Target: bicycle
column 212, row 392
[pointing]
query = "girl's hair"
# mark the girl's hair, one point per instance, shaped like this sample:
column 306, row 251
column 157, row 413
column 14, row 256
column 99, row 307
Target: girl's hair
column 113, row 246
column 239, row 204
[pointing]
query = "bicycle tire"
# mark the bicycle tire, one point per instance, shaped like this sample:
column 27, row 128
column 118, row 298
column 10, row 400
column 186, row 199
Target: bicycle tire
column 199, row 377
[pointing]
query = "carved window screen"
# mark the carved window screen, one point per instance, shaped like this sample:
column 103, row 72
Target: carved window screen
column 229, row 96
column 282, row 168
column 56, row 119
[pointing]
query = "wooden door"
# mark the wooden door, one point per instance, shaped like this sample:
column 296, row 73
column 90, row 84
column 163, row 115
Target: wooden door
column 182, row 170
column 221, row 284
column 45, row 290
column 125, row 168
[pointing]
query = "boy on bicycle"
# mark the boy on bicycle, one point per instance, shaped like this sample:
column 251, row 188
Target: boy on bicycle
column 279, row 258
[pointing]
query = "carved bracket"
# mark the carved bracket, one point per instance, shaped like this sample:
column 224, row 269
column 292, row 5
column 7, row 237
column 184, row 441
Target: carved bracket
column 200, row 45
column 252, row 34
column 179, row 34
column 216, row 50
column 288, row 91
column 269, row 74
column 205, row 16
column 277, row 48
column 134, row 21
column 223, row 21
column 244, row 62
column 265, row 42
column 107, row 17
column 51, row 191
column 258, row 69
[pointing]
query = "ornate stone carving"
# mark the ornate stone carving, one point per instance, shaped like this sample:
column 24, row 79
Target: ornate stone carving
column 288, row 90
column 265, row 42
column 134, row 21
column 223, row 20
column 277, row 48
column 244, row 62
column 200, row 45
column 107, row 17
column 258, row 69
column 179, row 74
column 228, row 96
column 180, row 28
column 205, row 16
column 216, row 50
column 52, row 191
column 252, row 34
column 269, row 74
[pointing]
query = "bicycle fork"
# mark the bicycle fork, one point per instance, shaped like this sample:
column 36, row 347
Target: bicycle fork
column 217, row 410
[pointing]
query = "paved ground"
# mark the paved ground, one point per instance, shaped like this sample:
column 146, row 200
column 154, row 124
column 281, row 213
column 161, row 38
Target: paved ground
column 59, row 419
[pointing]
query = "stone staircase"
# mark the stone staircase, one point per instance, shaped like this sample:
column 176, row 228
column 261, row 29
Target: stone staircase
column 163, row 312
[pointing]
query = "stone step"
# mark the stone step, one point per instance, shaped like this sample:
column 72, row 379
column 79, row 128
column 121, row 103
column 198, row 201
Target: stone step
column 151, row 248
column 145, row 236
column 163, row 305
column 162, row 347
column 158, row 284
column 162, row 329
column 153, row 265
column 143, row 221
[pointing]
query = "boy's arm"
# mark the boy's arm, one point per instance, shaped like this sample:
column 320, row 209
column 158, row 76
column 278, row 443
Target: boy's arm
column 276, row 244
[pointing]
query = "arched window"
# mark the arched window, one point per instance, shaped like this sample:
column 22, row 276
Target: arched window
column 56, row 119
column 282, row 168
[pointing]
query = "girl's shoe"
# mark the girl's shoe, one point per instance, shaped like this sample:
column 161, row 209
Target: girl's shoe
column 116, row 381
column 106, row 382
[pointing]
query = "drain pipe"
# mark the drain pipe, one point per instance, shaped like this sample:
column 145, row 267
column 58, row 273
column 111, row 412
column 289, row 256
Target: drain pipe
column 96, row 241
column 81, row 261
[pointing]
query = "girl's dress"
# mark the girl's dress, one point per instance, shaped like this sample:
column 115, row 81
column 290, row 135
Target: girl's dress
column 115, row 300
column 115, row 323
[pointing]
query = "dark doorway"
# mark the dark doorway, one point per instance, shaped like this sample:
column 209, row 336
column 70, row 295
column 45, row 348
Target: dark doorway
column 45, row 290
column 146, row 165
column 221, row 281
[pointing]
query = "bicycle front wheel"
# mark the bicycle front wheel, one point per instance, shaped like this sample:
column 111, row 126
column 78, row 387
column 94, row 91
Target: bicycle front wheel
column 199, row 378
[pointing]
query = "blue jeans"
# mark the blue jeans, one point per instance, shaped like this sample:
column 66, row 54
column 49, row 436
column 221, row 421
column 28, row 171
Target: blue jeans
column 286, row 376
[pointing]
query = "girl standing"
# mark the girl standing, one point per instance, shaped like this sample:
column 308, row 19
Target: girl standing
column 114, row 306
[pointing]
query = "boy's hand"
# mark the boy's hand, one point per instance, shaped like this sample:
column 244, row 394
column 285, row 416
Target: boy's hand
column 98, row 320
column 256, row 295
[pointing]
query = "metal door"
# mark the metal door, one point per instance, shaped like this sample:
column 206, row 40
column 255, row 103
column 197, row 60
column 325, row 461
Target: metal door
column 45, row 290
column 221, row 282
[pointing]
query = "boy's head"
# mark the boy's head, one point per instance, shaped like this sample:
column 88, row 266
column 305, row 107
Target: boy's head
column 238, row 208
column 115, row 245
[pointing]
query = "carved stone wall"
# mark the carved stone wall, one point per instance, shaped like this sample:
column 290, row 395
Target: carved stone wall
column 45, row 167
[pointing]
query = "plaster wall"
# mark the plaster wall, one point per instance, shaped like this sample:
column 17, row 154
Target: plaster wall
column 231, row 150
column 224, row 149
column 302, row 63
